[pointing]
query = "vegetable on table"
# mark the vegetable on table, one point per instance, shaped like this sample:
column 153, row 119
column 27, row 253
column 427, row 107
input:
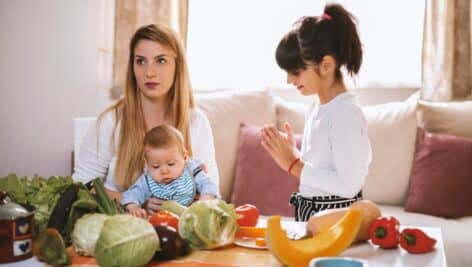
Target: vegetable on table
column 206, row 224
column 172, row 245
column 39, row 192
column 126, row 240
column 247, row 215
column 414, row 240
column 60, row 213
column 260, row 242
column 330, row 242
column 252, row 232
column 164, row 218
column 86, row 232
column 49, row 247
column 384, row 232
column 326, row 218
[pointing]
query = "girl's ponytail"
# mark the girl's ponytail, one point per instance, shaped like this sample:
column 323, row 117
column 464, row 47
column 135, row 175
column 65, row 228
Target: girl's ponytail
column 333, row 33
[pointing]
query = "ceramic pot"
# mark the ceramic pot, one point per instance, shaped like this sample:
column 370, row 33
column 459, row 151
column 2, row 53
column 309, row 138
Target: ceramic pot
column 16, row 230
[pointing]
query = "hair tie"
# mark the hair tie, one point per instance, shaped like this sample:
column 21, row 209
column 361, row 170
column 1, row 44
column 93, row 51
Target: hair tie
column 325, row 16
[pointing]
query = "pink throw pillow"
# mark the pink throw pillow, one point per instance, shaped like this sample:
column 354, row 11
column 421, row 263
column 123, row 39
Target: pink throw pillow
column 441, row 176
column 259, row 180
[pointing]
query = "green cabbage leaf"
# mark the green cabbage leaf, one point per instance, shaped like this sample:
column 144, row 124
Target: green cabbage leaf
column 208, row 224
column 86, row 232
column 126, row 240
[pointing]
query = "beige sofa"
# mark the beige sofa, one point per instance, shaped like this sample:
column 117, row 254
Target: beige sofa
column 392, row 130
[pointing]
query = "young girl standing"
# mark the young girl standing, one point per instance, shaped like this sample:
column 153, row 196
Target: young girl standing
column 335, row 152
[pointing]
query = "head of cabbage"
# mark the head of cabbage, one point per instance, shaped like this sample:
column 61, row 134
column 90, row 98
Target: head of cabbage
column 86, row 232
column 208, row 224
column 126, row 240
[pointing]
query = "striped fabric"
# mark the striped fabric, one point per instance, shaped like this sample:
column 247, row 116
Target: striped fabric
column 305, row 207
column 182, row 189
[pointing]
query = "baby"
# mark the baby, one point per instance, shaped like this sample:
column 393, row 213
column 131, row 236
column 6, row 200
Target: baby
column 169, row 173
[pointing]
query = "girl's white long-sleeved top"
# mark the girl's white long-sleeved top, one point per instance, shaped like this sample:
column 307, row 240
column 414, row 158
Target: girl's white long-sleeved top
column 100, row 161
column 335, row 149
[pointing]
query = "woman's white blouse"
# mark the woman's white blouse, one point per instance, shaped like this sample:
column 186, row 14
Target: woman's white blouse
column 335, row 149
column 100, row 161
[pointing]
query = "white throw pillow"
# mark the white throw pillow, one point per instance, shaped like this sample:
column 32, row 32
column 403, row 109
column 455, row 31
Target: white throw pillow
column 446, row 117
column 291, row 112
column 226, row 110
column 392, row 132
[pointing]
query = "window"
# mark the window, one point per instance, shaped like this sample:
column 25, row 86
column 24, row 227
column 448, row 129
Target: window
column 233, row 46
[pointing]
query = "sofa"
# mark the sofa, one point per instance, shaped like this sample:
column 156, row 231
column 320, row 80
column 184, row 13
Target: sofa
column 393, row 130
column 248, row 175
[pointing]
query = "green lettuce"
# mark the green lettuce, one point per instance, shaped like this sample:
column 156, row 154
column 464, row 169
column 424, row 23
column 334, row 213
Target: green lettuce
column 39, row 192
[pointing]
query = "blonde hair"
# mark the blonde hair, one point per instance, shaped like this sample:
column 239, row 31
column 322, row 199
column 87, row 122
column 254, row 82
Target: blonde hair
column 128, row 110
column 164, row 136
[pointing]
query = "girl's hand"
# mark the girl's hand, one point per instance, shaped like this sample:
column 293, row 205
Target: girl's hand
column 153, row 204
column 281, row 146
column 135, row 210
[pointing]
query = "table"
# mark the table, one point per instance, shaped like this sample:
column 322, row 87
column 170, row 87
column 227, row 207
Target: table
column 238, row 256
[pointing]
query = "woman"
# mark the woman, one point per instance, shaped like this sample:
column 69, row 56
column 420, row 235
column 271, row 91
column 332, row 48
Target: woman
column 157, row 92
column 335, row 152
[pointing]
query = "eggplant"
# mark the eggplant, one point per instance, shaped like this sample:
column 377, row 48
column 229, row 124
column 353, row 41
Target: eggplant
column 172, row 245
column 60, row 213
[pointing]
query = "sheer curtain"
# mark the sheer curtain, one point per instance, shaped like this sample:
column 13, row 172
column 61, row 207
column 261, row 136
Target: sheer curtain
column 447, row 50
column 132, row 14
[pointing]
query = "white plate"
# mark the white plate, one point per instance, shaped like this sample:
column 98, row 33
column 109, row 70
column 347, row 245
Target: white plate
column 248, row 243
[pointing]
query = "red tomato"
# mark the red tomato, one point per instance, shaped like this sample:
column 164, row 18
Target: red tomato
column 163, row 217
column 248, row 215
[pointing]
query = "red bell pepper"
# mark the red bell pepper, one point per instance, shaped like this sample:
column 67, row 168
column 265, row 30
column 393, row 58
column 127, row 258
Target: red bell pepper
column 384, row 232
column 414, row 240
column 163, row 217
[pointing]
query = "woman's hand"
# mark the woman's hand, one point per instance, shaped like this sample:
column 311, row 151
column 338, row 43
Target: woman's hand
column 153, row 204
column 281, row 146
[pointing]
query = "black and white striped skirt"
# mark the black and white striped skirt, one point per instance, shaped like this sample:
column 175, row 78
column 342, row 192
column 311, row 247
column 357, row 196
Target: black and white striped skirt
column 305, row 207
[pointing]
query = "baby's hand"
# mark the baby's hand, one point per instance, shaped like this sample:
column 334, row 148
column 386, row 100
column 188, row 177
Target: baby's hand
column 206, row 197
column 135, row 210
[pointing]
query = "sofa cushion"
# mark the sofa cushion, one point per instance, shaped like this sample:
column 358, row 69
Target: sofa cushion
column 392, row 133
column 441, row 176
column 259, row 180
column 226, row 110
column 291, row 112
column 446, row 117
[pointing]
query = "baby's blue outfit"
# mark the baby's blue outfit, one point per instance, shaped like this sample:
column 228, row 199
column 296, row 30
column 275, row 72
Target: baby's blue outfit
column 182, row 189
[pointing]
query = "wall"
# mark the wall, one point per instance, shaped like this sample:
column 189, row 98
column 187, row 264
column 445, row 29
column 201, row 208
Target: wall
column 48, row 69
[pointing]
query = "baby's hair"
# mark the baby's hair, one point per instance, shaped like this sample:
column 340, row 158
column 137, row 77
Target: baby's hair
column 164, row 136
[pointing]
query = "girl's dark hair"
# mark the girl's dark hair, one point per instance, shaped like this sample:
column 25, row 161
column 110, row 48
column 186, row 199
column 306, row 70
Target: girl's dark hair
column 334, row 33
column 287, row 53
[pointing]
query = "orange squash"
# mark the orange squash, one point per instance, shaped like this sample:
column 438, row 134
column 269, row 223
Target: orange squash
column 330, row 242
column 326, row 218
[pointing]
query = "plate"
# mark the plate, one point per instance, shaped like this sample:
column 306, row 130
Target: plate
column 248, row 243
